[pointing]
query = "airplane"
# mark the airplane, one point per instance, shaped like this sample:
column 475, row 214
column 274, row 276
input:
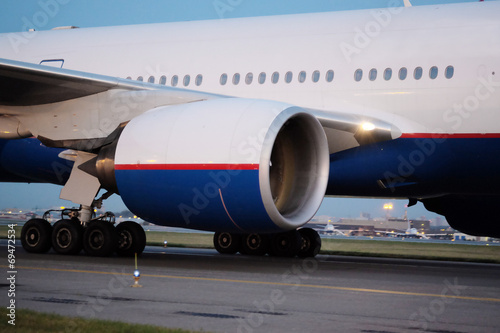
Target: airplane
column 242, row 126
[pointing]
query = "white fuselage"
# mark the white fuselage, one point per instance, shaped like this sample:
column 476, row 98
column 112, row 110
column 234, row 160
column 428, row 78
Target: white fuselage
column 464, row 36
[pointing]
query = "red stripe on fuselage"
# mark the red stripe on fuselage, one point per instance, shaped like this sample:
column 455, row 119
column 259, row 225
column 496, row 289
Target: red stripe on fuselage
column 208, row 166
column 450, row 136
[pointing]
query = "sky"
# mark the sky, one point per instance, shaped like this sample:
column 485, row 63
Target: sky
column 17, row 16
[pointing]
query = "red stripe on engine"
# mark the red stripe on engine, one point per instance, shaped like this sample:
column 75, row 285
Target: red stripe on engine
column 450, row 136
column 208, row 166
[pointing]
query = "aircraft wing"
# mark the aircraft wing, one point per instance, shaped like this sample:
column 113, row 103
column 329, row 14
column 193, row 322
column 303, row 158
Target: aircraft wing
column 26, row 84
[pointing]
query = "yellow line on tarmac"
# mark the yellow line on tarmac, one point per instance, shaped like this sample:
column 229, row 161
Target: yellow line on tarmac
column 363, row 290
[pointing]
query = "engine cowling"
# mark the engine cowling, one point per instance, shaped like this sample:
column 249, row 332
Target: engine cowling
column 235, row 165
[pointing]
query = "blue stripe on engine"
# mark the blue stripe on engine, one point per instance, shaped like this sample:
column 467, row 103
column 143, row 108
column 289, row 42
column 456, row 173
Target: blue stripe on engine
column 191, row 198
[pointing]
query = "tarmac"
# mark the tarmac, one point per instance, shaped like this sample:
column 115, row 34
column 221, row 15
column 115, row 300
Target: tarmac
column 201, row 290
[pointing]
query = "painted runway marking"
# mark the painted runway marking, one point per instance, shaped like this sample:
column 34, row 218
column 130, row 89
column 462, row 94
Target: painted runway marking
column 362, row 290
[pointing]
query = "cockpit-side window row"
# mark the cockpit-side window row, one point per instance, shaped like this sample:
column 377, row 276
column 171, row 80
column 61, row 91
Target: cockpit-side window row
column 418, row 73
column 236, row 78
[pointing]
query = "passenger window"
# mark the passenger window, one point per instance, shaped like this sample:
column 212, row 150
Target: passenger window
column 387, row 74
column 163, row 80
column 417, row 74
column 198, row 80
column 236, row 79
column 403, row 73
column 140, row 78
column 373, row 74
column 302, row 76
column 449, row 71
column 433, row 73
column 275, row 77
column 249, row 78
column 223, row 79
column 129, row 78
column 315, row 76
column 262, row 78
column 175, row 80
column 358, row 75
column 151, row 79
column 187, row 80
column 288, row 77
column 329, row 76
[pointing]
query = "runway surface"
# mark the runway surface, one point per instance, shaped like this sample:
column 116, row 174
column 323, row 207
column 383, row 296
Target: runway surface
column 202, row 290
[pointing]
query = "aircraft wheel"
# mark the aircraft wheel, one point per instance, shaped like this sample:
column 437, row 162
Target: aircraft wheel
column 226, row 243
column 131, row 239
column 67, row 236
column 254, row 244
column 100, row 239
column 286, row 244
column 35, row 236
column 311, row 243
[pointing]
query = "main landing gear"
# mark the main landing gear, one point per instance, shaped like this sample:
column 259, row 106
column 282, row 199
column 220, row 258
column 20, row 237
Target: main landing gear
column 98, row 237
column 304, row 243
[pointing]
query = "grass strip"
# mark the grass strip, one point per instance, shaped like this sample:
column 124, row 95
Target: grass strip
column 28, row 321
column 177, row 239
column 412, row 250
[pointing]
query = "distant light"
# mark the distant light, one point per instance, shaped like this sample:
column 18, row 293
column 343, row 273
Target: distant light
column 388, row 206
column 368, row 126
column 137, row 273
column 62, row 207
column 135, row 217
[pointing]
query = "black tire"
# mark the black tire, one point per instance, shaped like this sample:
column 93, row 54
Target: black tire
column 100, row 239
column 36, row 236
column 67, row 237
column 286, row 244
column 254, row 244
column 311, row 243
column 131, row 239
column 227, row 243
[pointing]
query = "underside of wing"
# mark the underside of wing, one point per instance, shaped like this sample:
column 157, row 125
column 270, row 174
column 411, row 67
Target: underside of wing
column 23, row 84
column 26, row 84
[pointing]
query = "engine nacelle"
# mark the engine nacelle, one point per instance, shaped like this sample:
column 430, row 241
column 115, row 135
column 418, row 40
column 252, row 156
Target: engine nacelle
column 235, row 165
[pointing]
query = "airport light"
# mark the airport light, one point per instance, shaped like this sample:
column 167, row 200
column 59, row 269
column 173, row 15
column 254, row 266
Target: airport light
column 137, row 275
column 388, row 207
column 165, row 243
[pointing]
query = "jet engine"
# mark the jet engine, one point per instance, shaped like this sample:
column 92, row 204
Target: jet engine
column 236, row 165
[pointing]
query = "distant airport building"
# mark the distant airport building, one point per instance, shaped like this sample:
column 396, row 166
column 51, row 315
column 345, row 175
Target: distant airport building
column 372, row 227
